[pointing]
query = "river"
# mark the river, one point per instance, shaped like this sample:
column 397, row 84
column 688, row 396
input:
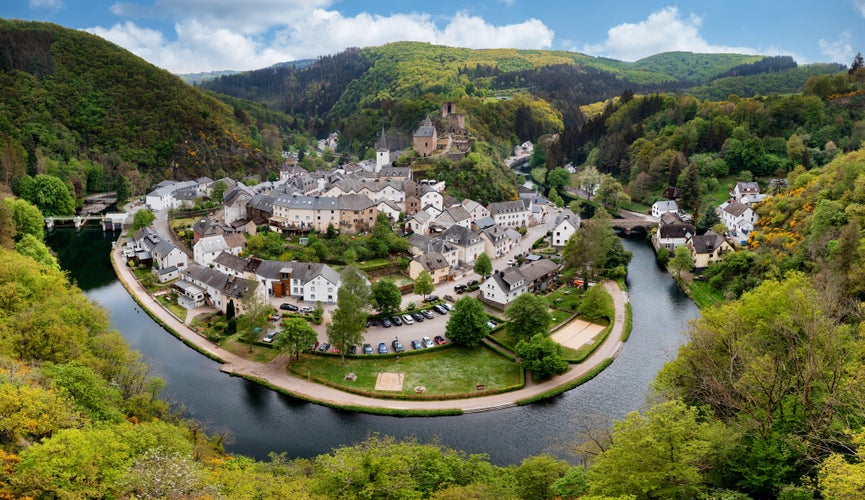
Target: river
column 259, row 421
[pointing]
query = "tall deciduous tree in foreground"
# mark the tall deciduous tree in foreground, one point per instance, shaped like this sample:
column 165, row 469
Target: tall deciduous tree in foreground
column 467, row 325
column 348, row 321
column 386, row 297
column 529, row 315
column 253, row 321
column 483, row 265
column 423, row 284
column 296, row 336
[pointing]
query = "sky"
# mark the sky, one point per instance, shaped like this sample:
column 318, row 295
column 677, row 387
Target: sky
column 189, row 36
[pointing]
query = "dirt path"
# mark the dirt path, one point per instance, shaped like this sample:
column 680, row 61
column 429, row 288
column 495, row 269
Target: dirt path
column 274, row 373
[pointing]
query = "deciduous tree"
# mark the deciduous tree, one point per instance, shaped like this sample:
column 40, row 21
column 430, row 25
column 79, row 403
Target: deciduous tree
column 296, row 337
column 542, row 356
column 529, row 315
column 348, row 321
column 253, row 322
column 467, row 325
column 386, row 297
column 681, row 261
column 483, row 265
column 142, row 219
column 423, row 284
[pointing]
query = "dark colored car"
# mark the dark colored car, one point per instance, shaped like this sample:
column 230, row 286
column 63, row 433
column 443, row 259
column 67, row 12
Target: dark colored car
column 397, row 346
column 285, row 306
column 382, row 348
column 371, row 322
column 396, row 320
column 415, row 344
column 472, row 283
column 431, row 298
column 324, row 347
column 440, row 309
column 427, row 314
column 460, row 288
column 417, row 317
column 385, row 323
column 439, row 340
column 352, row 349
column 367, row 349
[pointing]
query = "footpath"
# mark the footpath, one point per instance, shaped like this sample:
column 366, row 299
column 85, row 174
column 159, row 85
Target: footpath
column 275, row 375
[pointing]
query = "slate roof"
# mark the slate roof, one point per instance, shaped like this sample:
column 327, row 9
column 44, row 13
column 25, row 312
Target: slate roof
column 706, row 243
column 432, row 261
column 307, row 202
column 676, row 230
column 355, row 202
column 231, row 261
column 261, row 202
column 735, row 208
column 504, row 207
column 461, row 236
column 425, row 131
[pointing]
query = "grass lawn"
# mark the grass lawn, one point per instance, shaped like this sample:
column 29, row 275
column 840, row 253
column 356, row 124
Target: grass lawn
column 172, row 306
column 704, row 295
column 258, row 354
column 443, row 371
column 570, row 299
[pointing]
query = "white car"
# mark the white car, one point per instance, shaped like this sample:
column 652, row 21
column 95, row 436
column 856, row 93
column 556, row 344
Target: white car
column 427, row 342
column 407, row 319
column 512, row 262
column 270, row 336
column 305, row 310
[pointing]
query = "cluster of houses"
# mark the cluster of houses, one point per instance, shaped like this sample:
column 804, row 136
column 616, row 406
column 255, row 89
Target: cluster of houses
column 736, row 214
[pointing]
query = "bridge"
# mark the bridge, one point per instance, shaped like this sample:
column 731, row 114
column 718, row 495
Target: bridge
column 630, row 221
column 109, row 222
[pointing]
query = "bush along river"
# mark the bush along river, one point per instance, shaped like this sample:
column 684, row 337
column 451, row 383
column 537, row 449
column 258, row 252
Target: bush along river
column 259, row 421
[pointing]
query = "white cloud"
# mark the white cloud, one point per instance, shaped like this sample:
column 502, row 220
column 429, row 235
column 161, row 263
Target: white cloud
column 859, row 5
column 664, row 31
column 840, row 50
column 46, row 4
column 214, row 42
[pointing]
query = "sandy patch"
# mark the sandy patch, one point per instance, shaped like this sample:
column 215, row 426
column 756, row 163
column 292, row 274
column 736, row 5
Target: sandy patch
column 577, row 333
column 389, row 381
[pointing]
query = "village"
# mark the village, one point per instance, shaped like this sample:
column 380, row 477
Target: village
column 445, row 235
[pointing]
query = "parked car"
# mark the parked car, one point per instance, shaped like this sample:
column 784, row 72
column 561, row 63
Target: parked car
column 447, row 306
column 417, row 317
column 492, row 324
column 334, row 349
column 415, row 344
column 367, row 349
column 427, row 342
column 439, row 340
column 396, row 321
column 407, row 319
column 275, row 317
column 431, row 298
column 268, row 338
column 352, row 349
column 285, row 306
column 473, row 283
column 512, row 262
column 324, row 347
column 427, row 314
column 460, row 288
column 305, row 310
column 371, row 322
column 397, row 346
column 382, row 348
column 440, row 309
column 385, row 323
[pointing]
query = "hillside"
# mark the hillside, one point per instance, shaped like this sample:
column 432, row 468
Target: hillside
column 68, row 95
column 691, row 67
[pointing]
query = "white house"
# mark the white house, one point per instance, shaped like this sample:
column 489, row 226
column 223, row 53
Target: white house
column 743, row 189
column 418, row 223
column 166, row 255
column 235, row 203
column 469, row 244
column 672, row 233
column 664, row 206
column 389, row 208
column 221, row 288
column 475, row 210
column 164, row 195
column 566, row 224
column 511, row 213
column 738, row 217
column 505, row 286
column 207, row 249
column 496, row 241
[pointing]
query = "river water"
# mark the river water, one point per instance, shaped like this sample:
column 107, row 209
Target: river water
column 259, row 421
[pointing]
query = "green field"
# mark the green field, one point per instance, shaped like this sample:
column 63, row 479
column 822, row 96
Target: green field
column 451, row 371
column 704, row 295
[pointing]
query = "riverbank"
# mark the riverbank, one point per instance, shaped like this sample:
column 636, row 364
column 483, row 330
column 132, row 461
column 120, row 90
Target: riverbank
column 275, row 376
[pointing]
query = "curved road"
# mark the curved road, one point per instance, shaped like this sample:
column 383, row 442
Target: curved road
column 275, row 375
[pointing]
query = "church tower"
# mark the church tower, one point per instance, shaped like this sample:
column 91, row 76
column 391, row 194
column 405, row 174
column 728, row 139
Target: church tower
column 382, row 154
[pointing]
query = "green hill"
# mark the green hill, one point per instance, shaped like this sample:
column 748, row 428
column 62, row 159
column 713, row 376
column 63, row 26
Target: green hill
column 691, row 67
column 70, row 96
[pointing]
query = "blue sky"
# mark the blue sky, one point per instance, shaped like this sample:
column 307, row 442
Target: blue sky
column 185, row 36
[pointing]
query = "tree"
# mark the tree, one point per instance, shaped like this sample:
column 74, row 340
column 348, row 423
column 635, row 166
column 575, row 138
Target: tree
column 529, row 315
column 542, row 356
column 142, row 219
column 689, row 186
column 597, row 304
column 483, row 265
column 709, row 219
column 535, row 476
column 7, row 227
column 123, row 188
column 658, row 454
column 611, row 194
column 27, row 218
column 348, row 321
column 386, row 297
column 558, row 178
column 467, row 325
column 681, row 261
column 841, row 477
column 296, row 337
column 857, row 63
column 556, row 198
column 256, row 312
column 588, row 250
column 231, row 318
column 37, row 250
column 589, row 179
column 218, row 191
column 663, row 256
column 423, row 284
column 50, row 195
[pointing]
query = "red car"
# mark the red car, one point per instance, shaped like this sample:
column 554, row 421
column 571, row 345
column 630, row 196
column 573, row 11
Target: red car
column 439, row 340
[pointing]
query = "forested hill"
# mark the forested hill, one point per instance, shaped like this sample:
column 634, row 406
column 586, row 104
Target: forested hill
column 71, row 96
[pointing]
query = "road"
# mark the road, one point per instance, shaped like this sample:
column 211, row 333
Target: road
column 274, row 374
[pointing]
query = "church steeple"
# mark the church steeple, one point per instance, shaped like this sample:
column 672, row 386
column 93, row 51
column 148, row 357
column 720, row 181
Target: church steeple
column 382, row 153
